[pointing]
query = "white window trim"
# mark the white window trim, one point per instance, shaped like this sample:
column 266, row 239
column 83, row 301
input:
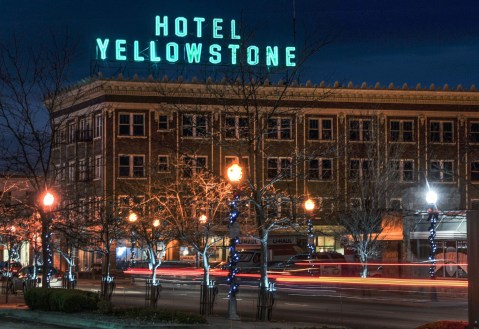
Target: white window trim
column 361, row 130
column 320, row 129
column 194, row 132
column 131, row 125
column 131, row 166
column 441, row 172
column 279, row 129
column 441, row 132
column 167, row 164
column 401, row 130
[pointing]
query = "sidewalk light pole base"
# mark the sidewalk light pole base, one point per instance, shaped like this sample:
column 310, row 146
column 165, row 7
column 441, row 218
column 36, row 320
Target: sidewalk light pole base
column 232, row 310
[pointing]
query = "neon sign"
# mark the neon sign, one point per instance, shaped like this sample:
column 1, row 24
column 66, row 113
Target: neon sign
column 168, row 48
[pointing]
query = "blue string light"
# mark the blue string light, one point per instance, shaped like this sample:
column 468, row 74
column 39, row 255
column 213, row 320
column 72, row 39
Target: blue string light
column 310, row 239
column 433, row 216
column 234, row 257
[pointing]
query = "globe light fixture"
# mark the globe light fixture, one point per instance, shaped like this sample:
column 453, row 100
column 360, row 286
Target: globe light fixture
column 431, row 197
column 48, row 199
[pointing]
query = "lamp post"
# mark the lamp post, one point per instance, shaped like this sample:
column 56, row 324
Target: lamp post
column 48, row 200
column 309, row 207
column 235, row 174
column 132, row 218
column 432, row 217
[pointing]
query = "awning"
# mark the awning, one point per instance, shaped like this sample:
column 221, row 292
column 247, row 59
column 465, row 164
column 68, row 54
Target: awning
column 451, row 225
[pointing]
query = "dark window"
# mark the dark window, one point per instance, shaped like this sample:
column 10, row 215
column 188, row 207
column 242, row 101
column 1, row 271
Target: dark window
column 163, row 122
column 474, row 132
column 441, row 132
column 401, row 131
column 124, row 168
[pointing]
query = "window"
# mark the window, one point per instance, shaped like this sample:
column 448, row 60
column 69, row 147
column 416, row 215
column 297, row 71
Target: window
column 474, row 132
column 401, row 131
column 71, row 172
column 84, row 132
column 279, row 166
column 163, row 122
column 402, row 170
column 395, row 204
column 441, row 132
column 71, row 132
column 236, row 127
column 279, row 128
column 320, row 129
column 131, row 124
column 163, row 163
column 475, row 171
column 360, row 169
column 441, row 171
column 98, row 167
column 98, row 126
column 6, row 198
column 360, row 130
column 131, row 166
column 82, row 170
column 320, row 169
column 475, row 204
column 229, row 160
column 194, row 125
column 193, row 165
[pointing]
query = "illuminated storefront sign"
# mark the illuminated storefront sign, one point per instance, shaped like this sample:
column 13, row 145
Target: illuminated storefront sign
column 168, row 47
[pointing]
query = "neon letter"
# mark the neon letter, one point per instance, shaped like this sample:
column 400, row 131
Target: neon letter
column 181, row 27
column 233, row 48
column 233, row 30
column 290, row 56
column 253, row 55
column 153, row 56
column 120, row 50
column 102, row 46
column 199, row 29
column 215, row 50
column 136, row 52
column 172, row 52
column 193, row 52
column 217, row 28
column 161, row 25
column 272, row 56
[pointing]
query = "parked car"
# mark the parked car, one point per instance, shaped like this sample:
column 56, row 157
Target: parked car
column 14, row 268
column 26, row 273
column 319, row 264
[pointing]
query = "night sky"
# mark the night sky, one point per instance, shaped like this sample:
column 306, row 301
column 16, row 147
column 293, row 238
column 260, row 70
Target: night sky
column 374, row 41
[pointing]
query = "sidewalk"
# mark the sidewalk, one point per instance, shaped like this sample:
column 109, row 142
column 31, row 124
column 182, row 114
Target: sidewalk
column 17, row 309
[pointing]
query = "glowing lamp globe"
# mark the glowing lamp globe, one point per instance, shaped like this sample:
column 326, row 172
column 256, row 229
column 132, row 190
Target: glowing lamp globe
column 156, row 223
column 431, row 197
column 203, row 219
column 309, row 205
column 235, row 173
column 48, row 199
column 132, row 217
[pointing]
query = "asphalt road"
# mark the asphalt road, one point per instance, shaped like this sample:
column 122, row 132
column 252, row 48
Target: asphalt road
column 11, row 323
column 355, row 308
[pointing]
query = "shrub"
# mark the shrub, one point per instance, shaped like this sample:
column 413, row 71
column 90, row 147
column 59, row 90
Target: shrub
column 61, row 300
column 158, row 315
column 445, row 325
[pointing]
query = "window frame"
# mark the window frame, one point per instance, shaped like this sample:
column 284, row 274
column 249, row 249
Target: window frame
column 320, row 129
column 402, row 131
column 363, row 173
column 402, row 170
column 160, row 163
column 131, row 125
column 364, row 135
column 132, row 166
column 278, row 131
column 98, row 125
column 196, row 130
column 320, row 169
column 238, row 130
column 166, row 122
column 474, row 140
column 192, row 168
column 474, row 171
column 441, row 172
column 279, row 168
column 441, row 132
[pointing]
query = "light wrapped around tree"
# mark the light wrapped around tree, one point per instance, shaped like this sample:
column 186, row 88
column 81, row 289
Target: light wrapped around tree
column 433, row 216
column 234, row 257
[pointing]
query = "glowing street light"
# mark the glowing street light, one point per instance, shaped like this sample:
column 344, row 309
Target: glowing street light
column 203, row 219
column 433, row 216
column 132, row 217
column 309, row 207
column 235, row 173
column 48, row 199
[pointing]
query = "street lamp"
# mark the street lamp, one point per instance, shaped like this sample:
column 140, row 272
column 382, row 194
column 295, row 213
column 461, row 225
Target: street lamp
column 432, row 217
column 48, row 201
column 132, row 218
column 235, row 173
column 309, row 207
